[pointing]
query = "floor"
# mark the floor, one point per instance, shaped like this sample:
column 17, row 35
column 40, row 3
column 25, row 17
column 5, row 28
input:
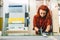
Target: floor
column 29, row 38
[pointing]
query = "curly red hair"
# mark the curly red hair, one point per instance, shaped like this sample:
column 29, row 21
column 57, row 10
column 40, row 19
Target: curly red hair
column 45, row 8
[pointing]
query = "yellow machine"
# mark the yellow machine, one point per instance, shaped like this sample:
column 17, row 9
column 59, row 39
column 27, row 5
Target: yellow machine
column 16, row 20
column 1, row 23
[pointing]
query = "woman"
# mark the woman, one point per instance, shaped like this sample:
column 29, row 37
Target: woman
column 42, row 19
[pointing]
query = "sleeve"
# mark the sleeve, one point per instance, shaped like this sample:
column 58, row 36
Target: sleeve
column 49, row 22
column 34, row 22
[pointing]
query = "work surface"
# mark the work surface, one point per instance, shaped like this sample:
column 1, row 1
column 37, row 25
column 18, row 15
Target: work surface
column 29, row 38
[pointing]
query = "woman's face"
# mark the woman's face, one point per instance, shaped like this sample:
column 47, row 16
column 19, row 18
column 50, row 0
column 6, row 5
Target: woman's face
column 42, row 13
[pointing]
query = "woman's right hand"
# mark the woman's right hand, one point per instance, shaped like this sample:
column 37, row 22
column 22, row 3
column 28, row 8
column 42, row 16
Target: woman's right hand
column 36, row 29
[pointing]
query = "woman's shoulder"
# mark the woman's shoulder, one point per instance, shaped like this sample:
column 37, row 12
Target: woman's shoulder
column 35, row 16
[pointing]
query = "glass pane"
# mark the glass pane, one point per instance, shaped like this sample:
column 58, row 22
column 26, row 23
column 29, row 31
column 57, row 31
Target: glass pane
column 15, row 9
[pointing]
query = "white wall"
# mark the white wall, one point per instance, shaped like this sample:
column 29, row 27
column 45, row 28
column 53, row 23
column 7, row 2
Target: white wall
column 1, row 8
column 1, row 11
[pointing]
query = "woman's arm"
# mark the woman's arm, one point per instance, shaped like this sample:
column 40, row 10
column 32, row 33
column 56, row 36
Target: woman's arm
column 49, row 23
column 35, row 23
column 48, row 28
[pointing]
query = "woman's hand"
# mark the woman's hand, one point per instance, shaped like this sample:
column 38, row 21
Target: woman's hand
column 36, row 29
column 48, row 28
